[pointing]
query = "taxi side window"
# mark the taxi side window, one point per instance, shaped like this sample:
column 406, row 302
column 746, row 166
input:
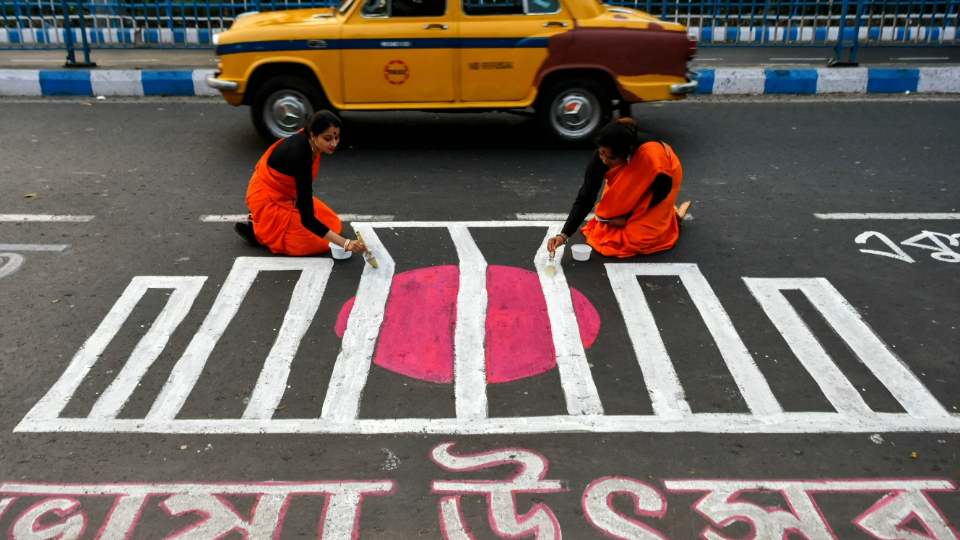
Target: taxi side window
column 493, row 7
column 540, row 7
column 510, row 7
column 404, row 8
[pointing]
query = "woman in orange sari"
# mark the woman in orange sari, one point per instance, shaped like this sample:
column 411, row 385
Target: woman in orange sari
column 636, row 214
column 284, row 214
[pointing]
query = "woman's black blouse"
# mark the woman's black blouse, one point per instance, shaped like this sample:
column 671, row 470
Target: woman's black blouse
column 294, row 157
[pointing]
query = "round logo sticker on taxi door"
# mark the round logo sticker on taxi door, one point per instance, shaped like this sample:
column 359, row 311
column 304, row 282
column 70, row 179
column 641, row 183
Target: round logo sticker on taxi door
column 396, row 72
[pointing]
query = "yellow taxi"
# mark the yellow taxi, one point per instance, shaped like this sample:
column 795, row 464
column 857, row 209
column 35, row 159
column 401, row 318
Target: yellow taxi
column 573, row 61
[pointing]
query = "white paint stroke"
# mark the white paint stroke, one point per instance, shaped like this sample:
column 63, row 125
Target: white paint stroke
column 4, row 503
column 470, row 367
column 303, row 306
column 470, row 224
column 53, row 403
column 846, row 321
column 24, row 218
column 342, row 403
column 33, row 247
column 549, row 217
column 804, row 422
column 904, row 216
column 576, row 379
column 190, row 488
column 188, row 368
column 806, row 347
column 12, row 263
column 452, row 520
column 750, row 381
column 816, row 486
column 340, row 519
column 659, row 376
column 224, row 218
column 230, row 218
column 185, row 291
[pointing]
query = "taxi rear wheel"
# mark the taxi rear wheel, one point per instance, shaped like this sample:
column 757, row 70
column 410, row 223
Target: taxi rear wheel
column 282, row 107
column 574, row 111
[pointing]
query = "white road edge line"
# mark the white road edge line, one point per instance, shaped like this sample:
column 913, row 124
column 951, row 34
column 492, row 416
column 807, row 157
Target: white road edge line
column 906, row 59
column 33, row 247
column 934, row 216
column 547, row 217
column 23, row 218
column 229, row 218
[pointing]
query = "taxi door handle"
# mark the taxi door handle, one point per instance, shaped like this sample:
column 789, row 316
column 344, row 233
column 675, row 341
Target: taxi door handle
column 436, row 27
column 555, row 23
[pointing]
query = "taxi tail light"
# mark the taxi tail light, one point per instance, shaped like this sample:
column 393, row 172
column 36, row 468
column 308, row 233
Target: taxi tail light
column 691, row 46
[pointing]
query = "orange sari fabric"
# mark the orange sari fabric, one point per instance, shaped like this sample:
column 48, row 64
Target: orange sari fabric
column 648, row 230
column 271, row 198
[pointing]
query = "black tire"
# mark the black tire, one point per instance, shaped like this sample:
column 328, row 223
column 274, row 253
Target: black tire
column 595, row 110
column 284, row 93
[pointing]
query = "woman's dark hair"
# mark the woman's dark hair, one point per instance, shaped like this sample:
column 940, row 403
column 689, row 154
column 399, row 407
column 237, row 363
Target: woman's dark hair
column 620, row 137
column 322, row 121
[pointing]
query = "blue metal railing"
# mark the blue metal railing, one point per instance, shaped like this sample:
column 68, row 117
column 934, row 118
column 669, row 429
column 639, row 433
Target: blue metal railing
column 53, row 24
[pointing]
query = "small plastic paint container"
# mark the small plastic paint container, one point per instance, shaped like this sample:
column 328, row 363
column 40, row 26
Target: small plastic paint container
column 581, row 252
column 339, row 253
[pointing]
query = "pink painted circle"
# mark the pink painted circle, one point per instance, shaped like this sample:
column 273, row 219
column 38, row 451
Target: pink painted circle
column 417, row 335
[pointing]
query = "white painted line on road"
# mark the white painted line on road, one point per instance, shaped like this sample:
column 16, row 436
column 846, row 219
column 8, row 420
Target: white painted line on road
column 802, row 422
column 576, row 379
column 188, row 368
column 33, row 247
column 365, row 217
column 13, row 263
column 584, row 408
column 342, row 403
column 224, row 218
column 933, row 216
column 847, row 323
column 185, row 291
column 230, row 218
column 276, row 370
column 800, row 59
column 666, row 393
column 644, row 331
column 911, row 58
column 469, row 366
column 24, row 218
column 547, row 217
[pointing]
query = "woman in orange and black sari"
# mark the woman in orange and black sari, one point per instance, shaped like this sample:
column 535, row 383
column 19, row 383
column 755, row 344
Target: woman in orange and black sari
column 284, row 215
column 636, row 214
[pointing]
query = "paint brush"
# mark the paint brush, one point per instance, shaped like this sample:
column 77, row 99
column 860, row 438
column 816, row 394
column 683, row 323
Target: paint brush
column 367, row 256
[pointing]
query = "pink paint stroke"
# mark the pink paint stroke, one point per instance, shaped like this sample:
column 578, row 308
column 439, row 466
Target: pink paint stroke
column 417, row 335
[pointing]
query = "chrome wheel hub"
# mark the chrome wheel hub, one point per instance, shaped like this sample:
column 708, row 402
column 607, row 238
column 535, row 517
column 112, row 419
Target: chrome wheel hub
column 287, row 112
column 575, row 113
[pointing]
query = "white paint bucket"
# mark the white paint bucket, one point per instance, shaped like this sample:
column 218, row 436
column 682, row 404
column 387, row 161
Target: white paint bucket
column 339, row 253
column 581, row 252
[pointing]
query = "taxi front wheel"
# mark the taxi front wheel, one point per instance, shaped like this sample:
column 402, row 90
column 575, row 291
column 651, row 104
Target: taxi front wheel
column 282, row 107
column 574, row 111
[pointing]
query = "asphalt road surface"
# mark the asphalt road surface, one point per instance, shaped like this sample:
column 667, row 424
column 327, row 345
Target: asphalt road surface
column 776, row 374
